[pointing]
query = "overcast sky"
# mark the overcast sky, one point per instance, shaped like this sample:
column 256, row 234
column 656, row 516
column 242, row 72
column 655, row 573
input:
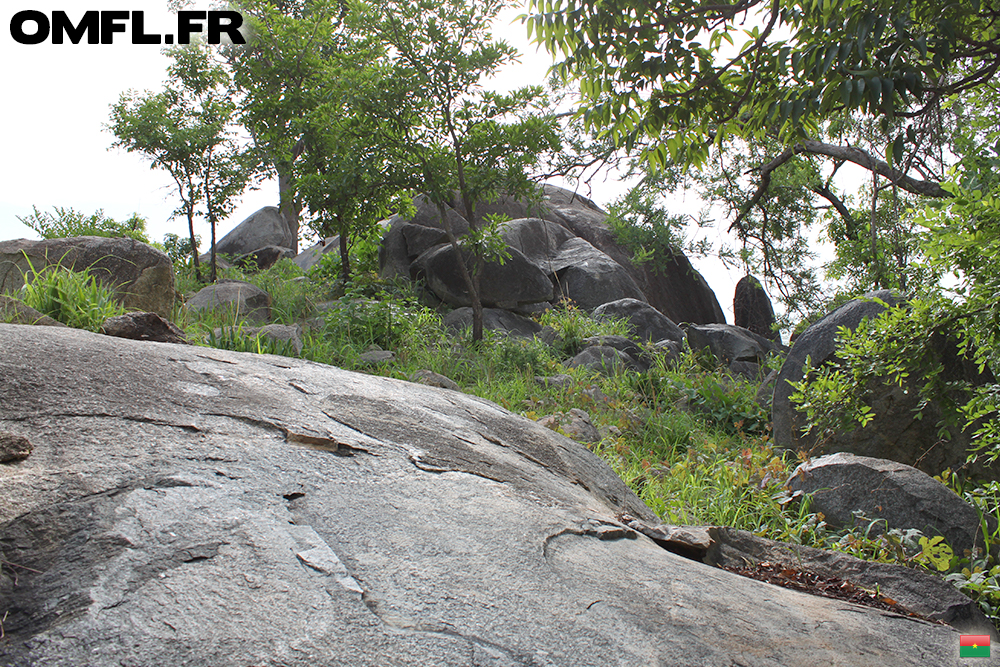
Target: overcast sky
column 56, row 150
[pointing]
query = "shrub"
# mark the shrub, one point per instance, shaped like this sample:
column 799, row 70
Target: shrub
column 68, row 222
column 73, row 298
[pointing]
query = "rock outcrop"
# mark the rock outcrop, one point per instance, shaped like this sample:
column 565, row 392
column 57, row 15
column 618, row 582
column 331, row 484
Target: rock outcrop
column 752, row 309
column 566, row 238
column 895, row 432
column 892, row 494
column 185, row 505
column 234, row 299
column 141, row 276
column 265, row 227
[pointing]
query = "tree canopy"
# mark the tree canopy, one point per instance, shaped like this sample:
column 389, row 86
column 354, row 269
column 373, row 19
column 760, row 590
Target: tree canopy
column 677, row 77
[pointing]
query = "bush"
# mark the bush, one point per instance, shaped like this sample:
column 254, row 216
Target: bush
column 73, row 298
column 67, row 222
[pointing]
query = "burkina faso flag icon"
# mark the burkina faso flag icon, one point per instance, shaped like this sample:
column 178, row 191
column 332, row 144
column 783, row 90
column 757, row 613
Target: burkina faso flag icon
column 974, row 646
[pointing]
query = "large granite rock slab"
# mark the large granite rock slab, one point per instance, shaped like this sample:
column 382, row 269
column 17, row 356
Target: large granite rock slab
column 141, row 276
column 195, row 506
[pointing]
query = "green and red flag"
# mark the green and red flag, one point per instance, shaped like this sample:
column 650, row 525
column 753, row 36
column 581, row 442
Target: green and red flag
column 974, row 646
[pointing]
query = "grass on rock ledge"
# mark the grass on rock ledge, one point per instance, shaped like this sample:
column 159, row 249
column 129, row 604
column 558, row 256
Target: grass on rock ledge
column 686, row 436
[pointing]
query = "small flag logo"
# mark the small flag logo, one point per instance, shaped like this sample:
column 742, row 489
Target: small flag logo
column 974, row 646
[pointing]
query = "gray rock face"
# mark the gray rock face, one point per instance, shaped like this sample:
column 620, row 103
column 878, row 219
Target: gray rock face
column 263, row 258
column 143, row 326
column 894, row 433
column 234, row 298
column 603, row 359
column 918, row 592
column 752, row 309
column 902, row 496
column 141, row 276
column 309, row 257
column 647, row 322
column 13, row 311
column 566, row 236
column 516, row 281
column 494, row 319
column 265, row 227
column 675, row 289
column 728, row 343
column 591, row 278
column 193, row 506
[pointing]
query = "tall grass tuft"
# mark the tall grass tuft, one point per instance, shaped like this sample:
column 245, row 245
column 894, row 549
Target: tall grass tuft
column 72, row 297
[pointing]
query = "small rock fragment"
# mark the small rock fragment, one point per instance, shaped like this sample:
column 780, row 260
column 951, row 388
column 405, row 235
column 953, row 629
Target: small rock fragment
column 14, row 447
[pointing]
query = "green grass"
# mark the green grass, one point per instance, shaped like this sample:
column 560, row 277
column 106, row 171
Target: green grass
column 74, row 298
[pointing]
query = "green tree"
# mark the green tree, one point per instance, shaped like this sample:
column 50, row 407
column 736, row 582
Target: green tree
column 186, row 130
column 470, row 145
column 290, row 46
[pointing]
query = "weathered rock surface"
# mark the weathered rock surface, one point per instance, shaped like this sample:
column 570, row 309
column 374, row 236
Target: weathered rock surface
column 494, row 319
column 567, row 238
column 289, row 334
column 603, row 359
column 14, row 311
column 263, row 258
column 895, row 433
column 918, row 592
column 311, row 256
column 143, row 326
column 432, row 379
column 516, row 281
column 141, row 276
column 674, row 287
column 234, row 298
column 193, row 506
column 752, row 309
column 729, row 343
column 265, row 227
column 900, row 495
column 647, row 322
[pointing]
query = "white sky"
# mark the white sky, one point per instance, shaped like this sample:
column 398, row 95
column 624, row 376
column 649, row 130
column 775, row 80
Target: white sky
column 56, row 151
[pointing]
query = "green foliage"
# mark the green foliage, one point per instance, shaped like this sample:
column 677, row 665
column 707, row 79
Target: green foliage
column 180, row 250
column 67, row 222
column 74, row 298
column 186, row 130
column 574, row 326
column 679, row 77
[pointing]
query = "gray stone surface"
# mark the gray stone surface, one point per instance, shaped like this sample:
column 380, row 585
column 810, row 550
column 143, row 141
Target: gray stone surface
column 592, row 266
column 603, row 359
column 309, row 257
column 141, row 276
column 900, row 495
column 14, row 311
column 729, row 343
column 919, row 592
column 432, row 379
column 494, row 319
column 752, row 309
column 234, row 298
column 264, row 227
column 895, row 432
column 516, row 281
column 647, row 322
column 263, row 258
column 143, row 326
column 191, row 506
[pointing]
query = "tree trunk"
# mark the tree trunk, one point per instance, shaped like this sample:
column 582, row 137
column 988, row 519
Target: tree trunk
column 289, row 206
column 345, row 260
column 194, row 245
column 470, row 284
